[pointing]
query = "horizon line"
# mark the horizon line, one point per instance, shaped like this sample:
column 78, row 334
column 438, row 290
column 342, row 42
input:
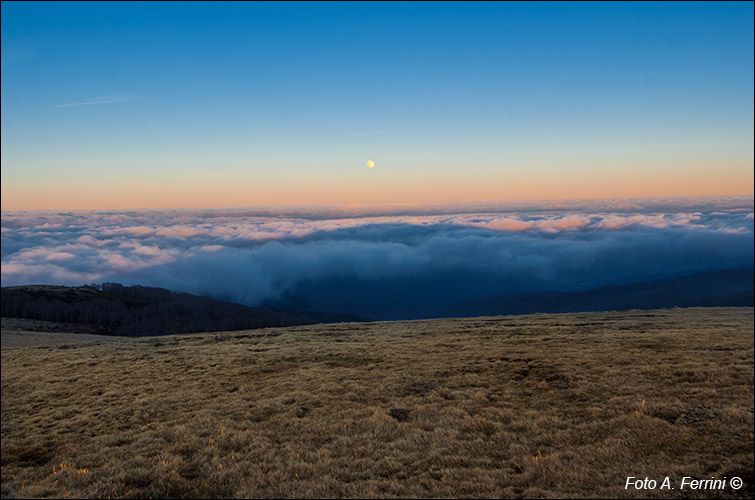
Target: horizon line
column 398, row 205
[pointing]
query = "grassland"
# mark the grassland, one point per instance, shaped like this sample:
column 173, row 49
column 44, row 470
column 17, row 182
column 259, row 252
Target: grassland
column 526, row 406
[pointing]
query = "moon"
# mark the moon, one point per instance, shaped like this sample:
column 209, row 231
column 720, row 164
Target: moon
column 370, row 164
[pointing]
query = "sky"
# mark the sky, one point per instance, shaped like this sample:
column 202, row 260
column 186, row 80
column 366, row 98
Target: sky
column 122, row 106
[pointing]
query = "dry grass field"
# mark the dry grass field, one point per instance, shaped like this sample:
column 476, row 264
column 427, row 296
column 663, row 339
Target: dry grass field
column 525, row 406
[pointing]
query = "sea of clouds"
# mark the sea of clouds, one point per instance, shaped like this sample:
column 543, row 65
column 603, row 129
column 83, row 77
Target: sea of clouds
column 254, row 256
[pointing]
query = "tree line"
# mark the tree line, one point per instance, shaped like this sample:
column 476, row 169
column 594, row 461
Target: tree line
column 115, row 309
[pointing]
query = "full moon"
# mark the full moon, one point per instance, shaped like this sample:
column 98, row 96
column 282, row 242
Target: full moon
column 370, row 164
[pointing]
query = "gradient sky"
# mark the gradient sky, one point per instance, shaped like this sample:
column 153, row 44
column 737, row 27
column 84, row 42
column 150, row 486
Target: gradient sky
column 158, row 105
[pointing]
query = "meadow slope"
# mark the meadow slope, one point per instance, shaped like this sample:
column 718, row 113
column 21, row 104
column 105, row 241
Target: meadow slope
column 564, row 405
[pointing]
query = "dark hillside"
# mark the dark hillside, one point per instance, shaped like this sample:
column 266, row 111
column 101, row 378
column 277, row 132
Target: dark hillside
column 727, row 288
column 114, row 309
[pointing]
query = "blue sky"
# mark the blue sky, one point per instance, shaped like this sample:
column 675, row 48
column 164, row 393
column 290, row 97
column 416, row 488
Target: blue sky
column 129, row 105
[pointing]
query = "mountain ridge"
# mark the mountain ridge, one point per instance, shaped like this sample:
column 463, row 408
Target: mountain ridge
column 115, row 309
column 730, row 287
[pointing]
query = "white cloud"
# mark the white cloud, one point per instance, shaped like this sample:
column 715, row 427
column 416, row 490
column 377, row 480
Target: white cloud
column 252, row 255
column 105, row 99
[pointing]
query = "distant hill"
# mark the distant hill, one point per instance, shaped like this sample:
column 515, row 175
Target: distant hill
column 453, row 293
column 733, row 287
column 114, row 309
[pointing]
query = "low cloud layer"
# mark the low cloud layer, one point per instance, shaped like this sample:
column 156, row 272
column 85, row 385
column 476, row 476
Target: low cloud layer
column 256, row 256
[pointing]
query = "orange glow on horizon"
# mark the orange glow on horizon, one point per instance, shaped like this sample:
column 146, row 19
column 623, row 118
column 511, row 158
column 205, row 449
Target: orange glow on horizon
column 163, row 192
